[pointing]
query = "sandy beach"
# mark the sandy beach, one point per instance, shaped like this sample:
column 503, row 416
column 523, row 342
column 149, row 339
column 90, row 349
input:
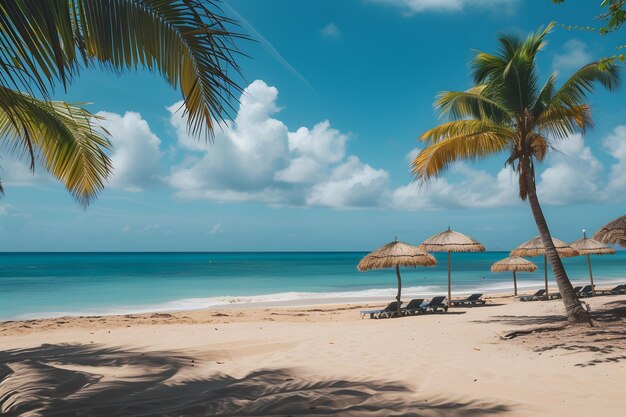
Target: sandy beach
column 319, row 360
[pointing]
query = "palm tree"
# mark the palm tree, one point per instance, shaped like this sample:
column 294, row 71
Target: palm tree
column 46, row 43
column 509, row 111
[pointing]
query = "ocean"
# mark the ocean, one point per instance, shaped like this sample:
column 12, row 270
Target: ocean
column 35, row 285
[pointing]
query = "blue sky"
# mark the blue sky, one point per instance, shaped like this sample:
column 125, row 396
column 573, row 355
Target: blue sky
column 336, row 95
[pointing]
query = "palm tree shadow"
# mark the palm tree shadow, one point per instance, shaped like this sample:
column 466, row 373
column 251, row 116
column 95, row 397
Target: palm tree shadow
column 59, row 380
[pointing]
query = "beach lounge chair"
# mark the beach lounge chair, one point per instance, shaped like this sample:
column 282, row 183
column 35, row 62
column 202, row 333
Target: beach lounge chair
column 620, row 289
column 557, row 295
column 414, row 307
column 472, row 300
column 436, row 303
column 585, row 292
column 539, row 295
column 390, row 311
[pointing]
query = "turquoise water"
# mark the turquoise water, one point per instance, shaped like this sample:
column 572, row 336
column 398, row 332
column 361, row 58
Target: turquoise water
column 52, row 284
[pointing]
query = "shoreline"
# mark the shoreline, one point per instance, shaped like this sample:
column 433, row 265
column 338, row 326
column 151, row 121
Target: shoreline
column 300, row 299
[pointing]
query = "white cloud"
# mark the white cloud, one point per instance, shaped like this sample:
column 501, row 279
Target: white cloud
column 572, row 175
column 17, row 172
column 615, row 145
column 136, row 151
column 352, row 184
column 412, row 7
column 257, row 158
column 331, row 31
column 574, row 56
column 474, row 189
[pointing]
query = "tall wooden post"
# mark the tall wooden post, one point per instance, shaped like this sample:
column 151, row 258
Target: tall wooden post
column 515, row 282
column 593, row 287
column 545, row 270
column 399, row 288
column 449, row 283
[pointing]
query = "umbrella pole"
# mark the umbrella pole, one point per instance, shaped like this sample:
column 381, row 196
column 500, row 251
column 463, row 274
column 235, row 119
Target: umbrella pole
column 515, row 282
column 545, row 271
column 593, row 287
column 399, row 287
column 449, row 283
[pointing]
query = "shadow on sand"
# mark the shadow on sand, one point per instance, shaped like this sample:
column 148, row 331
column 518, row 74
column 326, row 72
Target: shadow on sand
column 72, row 380
column 607, row 339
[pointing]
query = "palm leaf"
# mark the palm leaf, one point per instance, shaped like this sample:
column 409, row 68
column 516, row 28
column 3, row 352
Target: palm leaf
column 61, row 137
column 435, row 158
column 463, row 128
column 471, row 104
column 575, row 90
column 187, row 41
column 561, row 122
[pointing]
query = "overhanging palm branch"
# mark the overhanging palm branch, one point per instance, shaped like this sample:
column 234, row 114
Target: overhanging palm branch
column 61, row 137
column 187, row 41
column 437, row 156
column 45, row 43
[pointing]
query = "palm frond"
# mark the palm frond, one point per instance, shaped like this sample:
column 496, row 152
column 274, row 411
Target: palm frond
column 36, row 46
column 435, row 158
column 575, row 90
column 471, row 104
column 561, row 122
column 464, row 127
column 189, row 42
column 61, row 137
column 540, row 146
column 183, row 40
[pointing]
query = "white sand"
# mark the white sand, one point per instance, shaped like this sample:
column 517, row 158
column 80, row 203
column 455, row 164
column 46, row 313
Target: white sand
column 318, row 361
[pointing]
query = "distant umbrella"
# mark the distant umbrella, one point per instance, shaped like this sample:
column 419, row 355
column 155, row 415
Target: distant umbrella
column 534, row 247
column 451, row 241
column 586, row 246
column 514, row 264
column 395, row 255
column 613, row 232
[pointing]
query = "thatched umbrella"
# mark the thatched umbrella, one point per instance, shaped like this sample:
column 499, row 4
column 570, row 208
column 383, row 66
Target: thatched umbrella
column 534, row 247
column 514, row 264
column 586, row 246
column 613, row 232
column 395, row 255
column 451, row 241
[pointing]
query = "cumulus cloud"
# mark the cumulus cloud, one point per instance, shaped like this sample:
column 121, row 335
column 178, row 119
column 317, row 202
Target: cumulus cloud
column 17, row 172
column 330, row 31
column 572, row 175
column 615, row 145
column 412, row 7
column 352, row 184
column 257, row 158
column 136, row 151
column 574, row 56
column 472, row 189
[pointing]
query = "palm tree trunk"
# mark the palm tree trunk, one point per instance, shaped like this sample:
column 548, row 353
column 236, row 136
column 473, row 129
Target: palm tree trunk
column 573, row 308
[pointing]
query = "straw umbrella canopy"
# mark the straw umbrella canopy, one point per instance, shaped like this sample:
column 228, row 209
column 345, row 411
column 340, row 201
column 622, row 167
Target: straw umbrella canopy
column 613, row 232
column 514, row 264
column 586, row 246
column 394, row 255
column 451, row 241
column 534, row 247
